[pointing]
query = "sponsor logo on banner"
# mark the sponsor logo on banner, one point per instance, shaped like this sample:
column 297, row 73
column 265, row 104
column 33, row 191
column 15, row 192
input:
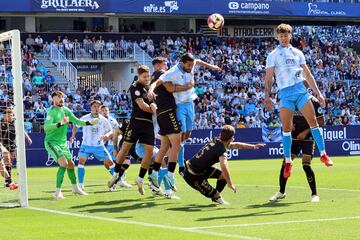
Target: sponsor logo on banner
column 249, row 7
column 353, row 147
column 169, row 6
column 70, row 5
column 314, row 9
column 331, row 135
column 276, row 151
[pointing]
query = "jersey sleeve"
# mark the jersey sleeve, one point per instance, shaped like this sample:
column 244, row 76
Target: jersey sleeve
column 270, row 60
column 74, row 119
column 136, row 92
column 50, row 124
column 81, row 119
column 302, row 60
column 168, row 76
column 107, row 125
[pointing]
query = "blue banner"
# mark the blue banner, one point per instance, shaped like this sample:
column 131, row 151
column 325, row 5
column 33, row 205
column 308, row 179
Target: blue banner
column 189, row 7
column 340, row 141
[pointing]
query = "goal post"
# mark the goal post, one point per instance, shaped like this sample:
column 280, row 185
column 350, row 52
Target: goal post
column 13, row 38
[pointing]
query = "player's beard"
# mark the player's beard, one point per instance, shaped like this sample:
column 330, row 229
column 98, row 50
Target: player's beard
column 60, row 104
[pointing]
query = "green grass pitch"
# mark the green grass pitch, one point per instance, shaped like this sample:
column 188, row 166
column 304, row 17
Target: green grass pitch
column 127, row 215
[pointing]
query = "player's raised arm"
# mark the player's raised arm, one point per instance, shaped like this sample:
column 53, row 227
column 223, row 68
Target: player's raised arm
column 240, row 145
column 78, row 121
column 207, row 65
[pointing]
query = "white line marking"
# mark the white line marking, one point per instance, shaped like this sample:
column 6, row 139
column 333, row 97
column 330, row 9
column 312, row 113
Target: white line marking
column 193, row 230
column 301, row 187
column 282, row 222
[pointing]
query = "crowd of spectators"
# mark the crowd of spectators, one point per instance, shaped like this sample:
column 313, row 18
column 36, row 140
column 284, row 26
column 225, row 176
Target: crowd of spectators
column 233, row 96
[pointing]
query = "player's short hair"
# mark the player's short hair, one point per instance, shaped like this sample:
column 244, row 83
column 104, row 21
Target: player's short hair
column 188, row 57
column 283, row 28
column 227, row 133
column 158, row 60
column 103, row 106
column 95, row 102
column 143, row 69
column 57, row 93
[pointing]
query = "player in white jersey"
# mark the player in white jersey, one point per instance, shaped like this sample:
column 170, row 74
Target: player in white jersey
column 290, row 69
column 110, row 145
column 93, row 141
column 180, row 75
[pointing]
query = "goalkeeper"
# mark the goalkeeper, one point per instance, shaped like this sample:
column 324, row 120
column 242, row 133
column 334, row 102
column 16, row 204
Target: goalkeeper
column 56, row 126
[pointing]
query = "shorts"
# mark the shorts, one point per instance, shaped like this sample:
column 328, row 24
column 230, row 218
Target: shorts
column 140, row 150
column 99, row 152
column 306, row 147
column 294, row 97
column 140, row 131
column 200, row 182
column 185, row 114
column 168, row 122
column 58, row 150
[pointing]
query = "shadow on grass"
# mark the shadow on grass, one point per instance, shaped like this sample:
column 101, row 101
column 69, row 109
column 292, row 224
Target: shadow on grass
column 196, row 208
column 125, row 208
column 255, row 214
column 274, row 204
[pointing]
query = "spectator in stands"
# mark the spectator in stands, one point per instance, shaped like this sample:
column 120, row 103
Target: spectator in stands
column 30, row 41
column 38, row 79
column 49, row 80
column 38, row 43
column 103, row 92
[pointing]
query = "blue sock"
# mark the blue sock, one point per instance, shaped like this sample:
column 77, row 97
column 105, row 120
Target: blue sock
column 181, row 156
column 286, row 140
column 162, row 173
column 112, row 169
column 81, row 173
column 318, row 137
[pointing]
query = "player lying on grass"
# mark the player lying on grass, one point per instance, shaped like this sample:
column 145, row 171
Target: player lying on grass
column 200, row 167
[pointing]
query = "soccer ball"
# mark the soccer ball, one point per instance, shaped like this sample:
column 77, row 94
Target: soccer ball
column 215, row 21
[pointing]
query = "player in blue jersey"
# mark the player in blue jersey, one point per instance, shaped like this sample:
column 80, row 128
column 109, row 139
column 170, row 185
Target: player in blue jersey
column 93, row 141
column 289, row 67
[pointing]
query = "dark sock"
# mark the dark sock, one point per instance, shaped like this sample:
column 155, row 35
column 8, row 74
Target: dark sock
column 310, row 178
column 282, row 180
column 117, row 167
column 125, row 166
column 8, row 169
column 171, row 166
column 8, row 181
column 220, row 185
column 156, row 166
column 150, row 170
column 142, row 172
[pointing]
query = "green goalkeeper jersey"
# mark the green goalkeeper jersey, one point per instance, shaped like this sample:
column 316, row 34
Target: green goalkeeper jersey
column 58, row 135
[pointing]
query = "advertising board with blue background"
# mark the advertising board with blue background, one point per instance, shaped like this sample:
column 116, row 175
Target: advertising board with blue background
column 189, row 7
column 340, row 141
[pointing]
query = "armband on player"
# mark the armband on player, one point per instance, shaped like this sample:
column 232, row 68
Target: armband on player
column 59, row 124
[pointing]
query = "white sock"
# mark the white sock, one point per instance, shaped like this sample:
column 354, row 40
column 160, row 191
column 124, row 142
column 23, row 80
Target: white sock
column 288, row 160
column 168, row 192
column 171, row 174
column 139, row 179
column 156, row 173
column 322, row 153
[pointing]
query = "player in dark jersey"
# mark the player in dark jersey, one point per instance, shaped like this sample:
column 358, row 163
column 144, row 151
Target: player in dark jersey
column 200, row 167
column 170, row 130
column 7, row 138
column 305, row 144
column 120, row 130
column 140, row 128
